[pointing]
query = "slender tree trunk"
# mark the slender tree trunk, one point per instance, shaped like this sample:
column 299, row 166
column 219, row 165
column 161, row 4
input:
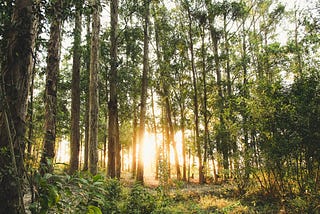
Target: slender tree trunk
column 246, row 96
column 75, row 93
column 155, row 134
column 183, row 141
column 32, row 71
column 171, row 132
column 144, row 88
column 215, row 40
column 134, row 140
column 165, row 168
column 227, row 54
column 114, row 164
column 184, row 158
column 167, row 143
column 298, row 61
column 224, row 148
column 86, row 137
column 205, row 101
column 159, row 59
column 105, row 136
column 28, row 157
column 195, row 100
column 182, row 125
column 15, row 83
column 52, row 72
column 166, row 99
column 93, row 90
column 86, row 115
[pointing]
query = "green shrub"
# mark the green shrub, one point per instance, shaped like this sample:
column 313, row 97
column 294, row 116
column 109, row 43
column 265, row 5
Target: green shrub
column 140, row 200
column 80, row 193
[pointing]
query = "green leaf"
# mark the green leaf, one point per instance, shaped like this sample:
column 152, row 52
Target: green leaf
column 94, row 210
column 97, row 178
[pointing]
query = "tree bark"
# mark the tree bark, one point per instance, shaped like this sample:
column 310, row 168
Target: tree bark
column 93, row 90
column 205, row 101
column 171, row 131
column 154, row 123
column 195, row 99
column 32, row 67
column 134, row 140
column 144, row 88
column 245, row 106
column 114, row 159
column 75, row 93
column 15, row 83
column 52, row 72
column 86, row 115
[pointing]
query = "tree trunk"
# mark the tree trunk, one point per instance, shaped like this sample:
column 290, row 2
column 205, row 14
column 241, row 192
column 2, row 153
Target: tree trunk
column 245, row 96
column 30, row 114
column 195, row 100
column 86, row 115
column 75, row 93
column 205, row 101
column 220, row 139
column 134, row 140
column 298, row 58
column 52, row 72
column 15, row 83
column 144, row 88
column 93, row 90
column 171, row 131
column 227, row 54
column 114, row 164
column 154, row 123
column 105, row 136
column 182, row 125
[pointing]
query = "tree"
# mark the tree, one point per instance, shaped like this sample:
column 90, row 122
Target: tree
column 195, row 95
column 114, row 160
column 15, row 82
column 75, row 92
column 87, row 105
column 52, row 72
column 93, row 89
column 144, row 88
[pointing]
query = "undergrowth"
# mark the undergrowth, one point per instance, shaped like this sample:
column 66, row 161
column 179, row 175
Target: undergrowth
column 83, row 193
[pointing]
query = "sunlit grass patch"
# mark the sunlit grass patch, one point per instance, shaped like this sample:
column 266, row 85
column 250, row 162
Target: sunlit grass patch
column 214, row 204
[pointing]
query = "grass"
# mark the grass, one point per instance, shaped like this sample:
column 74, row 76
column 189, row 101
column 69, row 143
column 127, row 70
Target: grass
column 83, row 193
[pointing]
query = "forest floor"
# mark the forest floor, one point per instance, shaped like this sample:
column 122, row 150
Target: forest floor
column 191, row 197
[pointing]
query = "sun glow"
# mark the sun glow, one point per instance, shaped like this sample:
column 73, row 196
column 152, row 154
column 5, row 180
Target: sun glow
column 149, row 152
column 151, row 142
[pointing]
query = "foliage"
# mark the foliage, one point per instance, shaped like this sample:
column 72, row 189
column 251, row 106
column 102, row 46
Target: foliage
column 140, row 200
column 83, row 193
column 80, row 193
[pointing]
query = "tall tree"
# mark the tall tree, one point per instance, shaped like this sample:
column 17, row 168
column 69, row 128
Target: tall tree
column 205, row 94
column 144, row 90
column 93, row 89
column 87, row 105
column 30, row 135
column 134, row 139
column 52, row 72
column 75, row 92
column 15, row 82
column 114, row 160
column 195, row 95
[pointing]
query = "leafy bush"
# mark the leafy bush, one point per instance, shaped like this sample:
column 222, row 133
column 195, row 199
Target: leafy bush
column 305, row 204
column 80, row 193
column 140, row 200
